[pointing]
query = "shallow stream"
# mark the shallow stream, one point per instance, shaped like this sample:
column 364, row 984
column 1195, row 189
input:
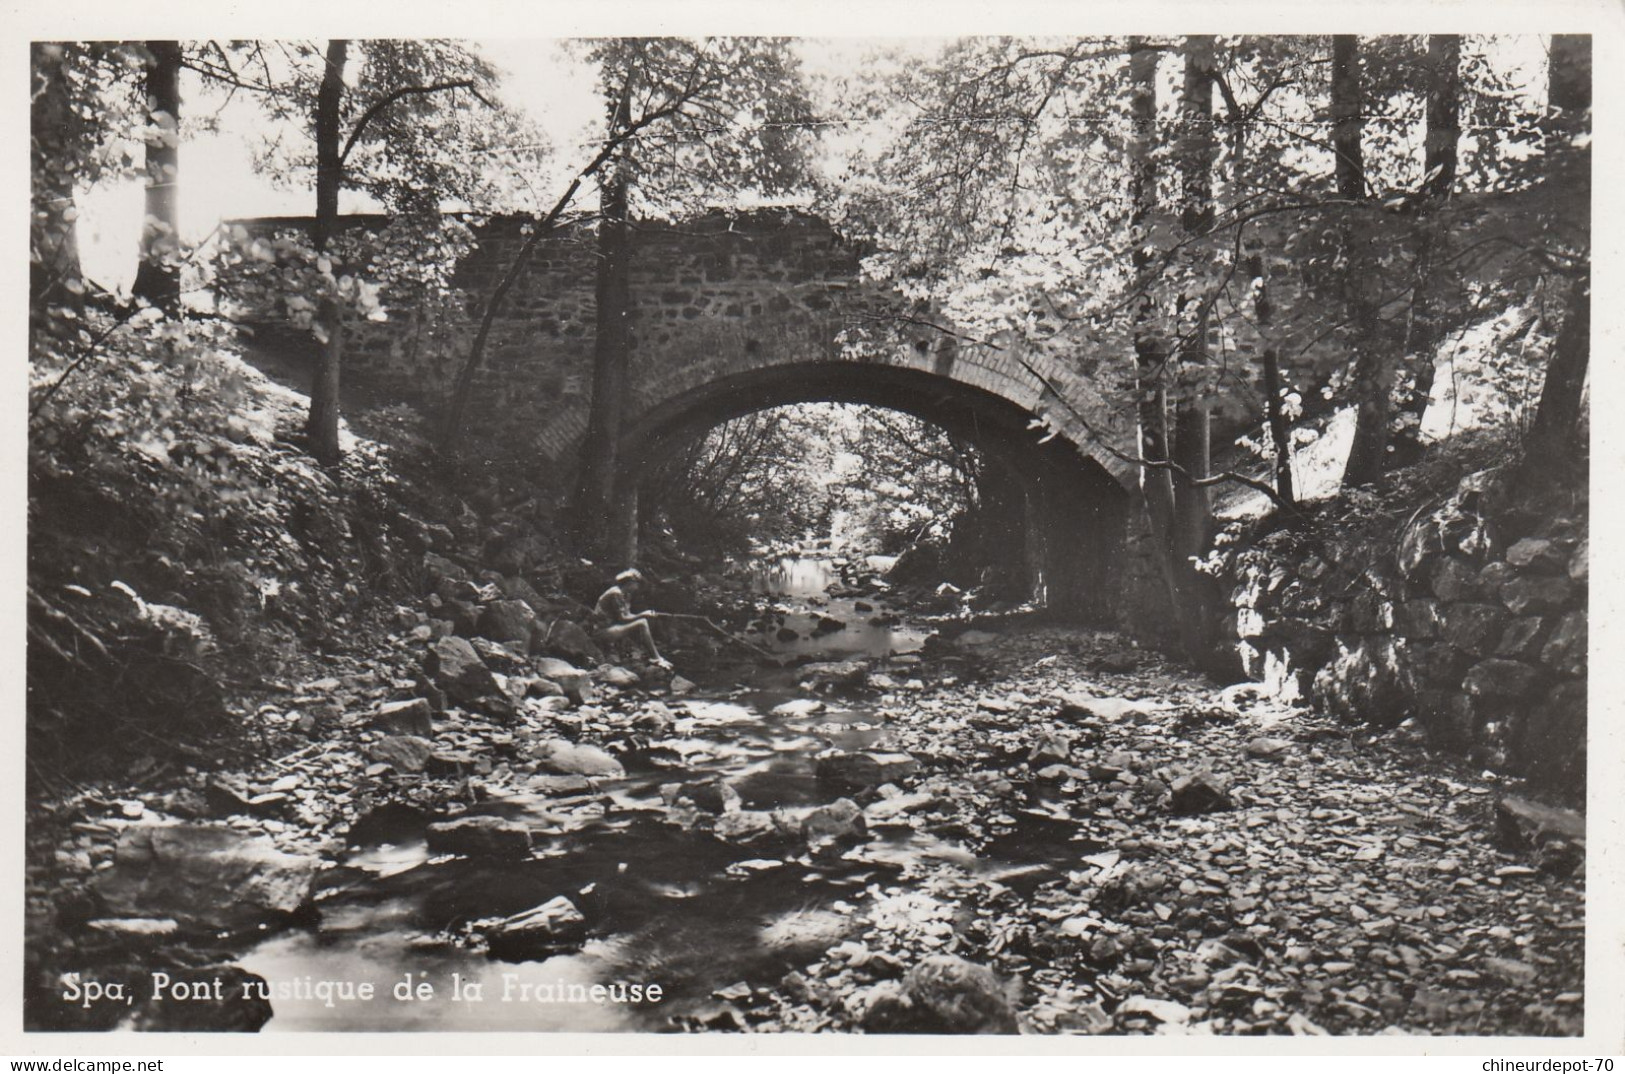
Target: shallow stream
column 681, row 909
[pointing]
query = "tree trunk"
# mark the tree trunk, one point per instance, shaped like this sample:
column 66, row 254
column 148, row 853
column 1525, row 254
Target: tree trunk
column 1439, row 162
column 1554, row 443
column 1568, row 79
column 1196, row 150
column 597, row 514
column 322, row 427
column 54, row 277
column 1274, row 408
column 1193, row 507
column 157, row 277
column 1443, row 114
column 1151, row 358
column 1373, row 365
column 1347, row 121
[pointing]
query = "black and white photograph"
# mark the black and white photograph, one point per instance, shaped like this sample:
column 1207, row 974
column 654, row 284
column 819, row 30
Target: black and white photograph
column 1060, row 534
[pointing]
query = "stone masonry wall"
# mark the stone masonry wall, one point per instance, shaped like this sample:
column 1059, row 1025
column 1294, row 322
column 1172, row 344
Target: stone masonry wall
column 1469, row 620
column 710, row 297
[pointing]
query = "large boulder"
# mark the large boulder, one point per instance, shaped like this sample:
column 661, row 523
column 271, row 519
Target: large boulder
column 566, row 639
column 446, row 579
column 575, row 683
column 1454, row 580
column 457, row 669
column 205, row 876
column 507, row 620
column 1539, row 554
column 1552, row 740
column 748, row 827
column 1522, row 824
column 500, row 657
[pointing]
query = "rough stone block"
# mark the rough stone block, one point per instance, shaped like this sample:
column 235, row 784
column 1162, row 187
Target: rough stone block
column 1522, row 638
column 1454, row 580
column 1417, row 618
column 1502, row 681
column 1473, row 628
column 1565, row 652
column 1537, row 594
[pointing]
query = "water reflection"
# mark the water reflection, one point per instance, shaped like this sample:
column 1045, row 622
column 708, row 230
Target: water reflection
column 814, row 600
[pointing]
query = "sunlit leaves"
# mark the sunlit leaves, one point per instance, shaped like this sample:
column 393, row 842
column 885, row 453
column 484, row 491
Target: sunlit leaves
column 999, row 202
column 721, row 121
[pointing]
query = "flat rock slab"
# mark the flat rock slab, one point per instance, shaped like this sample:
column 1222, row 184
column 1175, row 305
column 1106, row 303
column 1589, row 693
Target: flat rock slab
column 834, row 673
column 1082, row 706
column 205, row 876
column 859, row 771
column 974, row 638
column 479, row 837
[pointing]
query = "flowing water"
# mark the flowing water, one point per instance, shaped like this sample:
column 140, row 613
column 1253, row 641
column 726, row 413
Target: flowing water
column 664, row 906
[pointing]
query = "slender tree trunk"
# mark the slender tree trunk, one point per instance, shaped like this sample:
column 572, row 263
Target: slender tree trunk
column 54, row 278
column 1443, row 114
column 597, row 511
column 1152, row 363
column 1439, row 162
column 1274, row 408
column 322, row 426
column 1347, row 120
column 157, row 277
column 1373, row 365
column 1151, row 358
column 1553, row 443
column 1193, row 507
column 1196, row 149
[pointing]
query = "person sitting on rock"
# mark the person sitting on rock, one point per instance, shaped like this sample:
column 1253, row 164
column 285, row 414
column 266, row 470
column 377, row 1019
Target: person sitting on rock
column 616, row 621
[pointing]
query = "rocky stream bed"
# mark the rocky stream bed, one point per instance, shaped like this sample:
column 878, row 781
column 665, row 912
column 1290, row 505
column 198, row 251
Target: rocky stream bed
column 1016, row 827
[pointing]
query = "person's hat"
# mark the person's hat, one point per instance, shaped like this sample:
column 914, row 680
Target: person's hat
column 631, row 574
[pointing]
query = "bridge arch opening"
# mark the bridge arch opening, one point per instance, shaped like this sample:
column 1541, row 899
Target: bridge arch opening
column 1070, row 513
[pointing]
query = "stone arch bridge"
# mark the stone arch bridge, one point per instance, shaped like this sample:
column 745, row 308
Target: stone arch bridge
column 738, row 313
